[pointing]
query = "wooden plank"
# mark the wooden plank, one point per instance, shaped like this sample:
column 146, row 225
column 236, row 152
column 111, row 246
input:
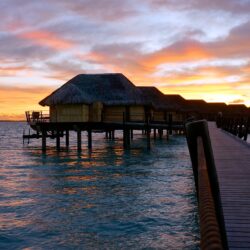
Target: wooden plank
column 232, row 161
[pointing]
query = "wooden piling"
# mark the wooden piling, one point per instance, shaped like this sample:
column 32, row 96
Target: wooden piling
column 128, row 137
column 58, row 140
column 43, row 140
column 131, row 134
column 154, row 133
column 170, row 116
column 160, row 133
column 148, row 130
column 67, row 138
column 125, row 138
column 167, row 135
column 89, row 138
column 148, row 139
column 79, row 140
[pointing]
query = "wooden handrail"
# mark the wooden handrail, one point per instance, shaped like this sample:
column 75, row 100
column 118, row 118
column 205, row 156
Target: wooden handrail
column 201, row 154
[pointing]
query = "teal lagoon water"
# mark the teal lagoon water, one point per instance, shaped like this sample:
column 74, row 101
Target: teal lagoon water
column 106, row 198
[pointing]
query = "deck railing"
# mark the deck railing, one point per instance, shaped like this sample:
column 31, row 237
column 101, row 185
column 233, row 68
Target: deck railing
column 213, row 233
column 37, row 116
column 239, row 126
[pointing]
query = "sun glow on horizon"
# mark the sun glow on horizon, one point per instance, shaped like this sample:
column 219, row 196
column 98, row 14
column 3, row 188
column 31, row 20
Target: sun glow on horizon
column 198, row 50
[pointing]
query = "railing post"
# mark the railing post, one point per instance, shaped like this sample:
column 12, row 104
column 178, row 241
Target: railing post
column 247, row 128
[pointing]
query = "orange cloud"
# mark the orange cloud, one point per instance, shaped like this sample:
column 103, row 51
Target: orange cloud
column 10, row 71
column 47, row 39
column 179, row 52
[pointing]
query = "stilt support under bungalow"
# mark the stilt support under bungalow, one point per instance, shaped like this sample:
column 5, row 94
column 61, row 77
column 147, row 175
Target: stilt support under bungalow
column 126, row 138
column 89, row 138
column 67, row 138
column 160, row 131
column 58, row 140
column 170, row 124
column 58, row 130
column 44, row 141
column 131, row 134
column 154, row 133
column 79, row 140
column 148, row 138
column 110, row 134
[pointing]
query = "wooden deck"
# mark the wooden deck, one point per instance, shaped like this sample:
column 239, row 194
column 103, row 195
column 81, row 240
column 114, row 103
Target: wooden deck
column 232, row 161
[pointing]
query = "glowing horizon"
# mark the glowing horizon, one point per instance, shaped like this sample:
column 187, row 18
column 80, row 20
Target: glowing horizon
column 198, row 49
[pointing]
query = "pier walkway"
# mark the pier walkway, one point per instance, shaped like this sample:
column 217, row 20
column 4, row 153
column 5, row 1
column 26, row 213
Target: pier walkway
column 232, row 161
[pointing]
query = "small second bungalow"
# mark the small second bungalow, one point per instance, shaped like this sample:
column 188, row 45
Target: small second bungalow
column 237, row 110
column 179, row 110
column 158, row 111
column 163, row 105
column 96, row 98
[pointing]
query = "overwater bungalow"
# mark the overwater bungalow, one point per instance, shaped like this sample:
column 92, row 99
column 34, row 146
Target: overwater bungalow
column 96, row 98
column 197, row 108
column 103, row 102
column 158, row 108
column 237, row 110
column 180, row 112
column 213, row 109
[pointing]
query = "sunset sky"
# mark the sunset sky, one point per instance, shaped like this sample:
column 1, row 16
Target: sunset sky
column 197, row 48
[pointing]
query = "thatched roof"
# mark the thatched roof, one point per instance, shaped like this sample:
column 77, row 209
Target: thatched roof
column 197, row 105
column 237, row 109
column 110, row 89
column 215, row 107
column 158, row 99
column 178, row 100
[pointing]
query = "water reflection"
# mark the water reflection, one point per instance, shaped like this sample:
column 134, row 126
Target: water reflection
column 103, row 198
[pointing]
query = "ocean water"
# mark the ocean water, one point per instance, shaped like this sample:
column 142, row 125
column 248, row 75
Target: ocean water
column 106, row 198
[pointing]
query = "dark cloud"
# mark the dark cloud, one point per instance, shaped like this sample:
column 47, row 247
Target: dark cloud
column 125, row 56
column 105, row 10
column 236, row 45
column 64, row 70
column 22, row 50
column 233, row 6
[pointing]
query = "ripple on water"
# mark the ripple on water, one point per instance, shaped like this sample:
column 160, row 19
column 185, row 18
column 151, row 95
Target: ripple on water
column 106, row 198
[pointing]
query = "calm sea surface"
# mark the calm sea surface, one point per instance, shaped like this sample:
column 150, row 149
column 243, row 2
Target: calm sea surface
column 106, row 198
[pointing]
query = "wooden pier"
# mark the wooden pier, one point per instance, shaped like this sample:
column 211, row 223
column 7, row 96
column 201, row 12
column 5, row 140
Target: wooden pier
column 221, row 166
column 232, row 161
